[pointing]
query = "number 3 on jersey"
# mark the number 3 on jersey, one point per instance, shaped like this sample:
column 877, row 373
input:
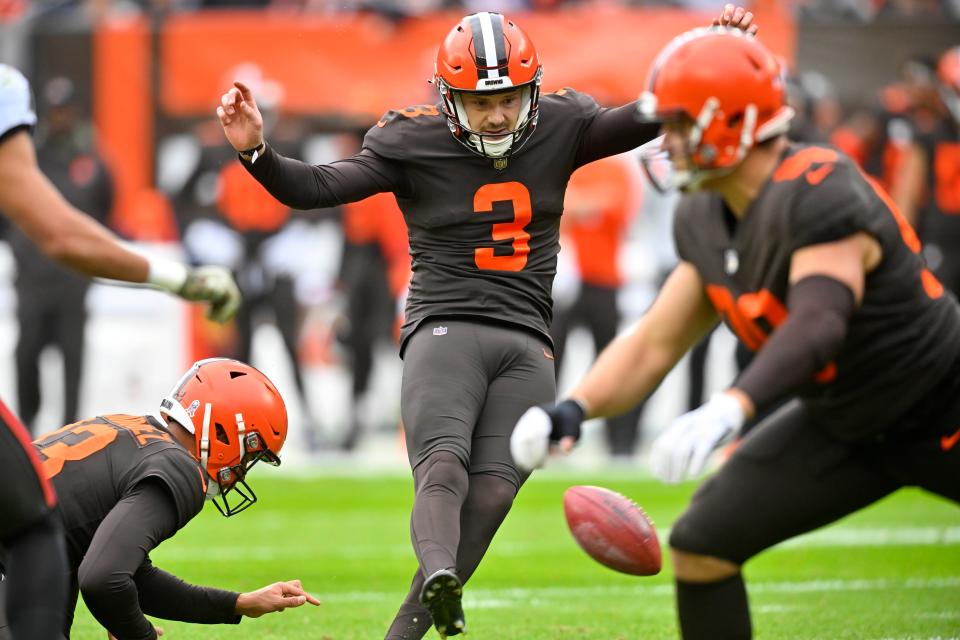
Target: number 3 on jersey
column 518, row 196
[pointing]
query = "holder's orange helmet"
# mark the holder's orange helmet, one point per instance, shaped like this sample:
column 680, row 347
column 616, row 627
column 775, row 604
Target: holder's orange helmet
column 948, row 72
column 237, row 418
column 728, row 85
column 487, row 53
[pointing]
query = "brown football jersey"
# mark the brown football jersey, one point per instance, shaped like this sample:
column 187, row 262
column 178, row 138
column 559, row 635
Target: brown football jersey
column 93, row 464
column 903, row 337
column 484, row 233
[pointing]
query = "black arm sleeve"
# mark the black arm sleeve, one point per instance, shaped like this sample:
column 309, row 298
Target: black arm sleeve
column 166, row 596
column 614, row 131
column 137, row 524
column 302, row 186
column 820, row 308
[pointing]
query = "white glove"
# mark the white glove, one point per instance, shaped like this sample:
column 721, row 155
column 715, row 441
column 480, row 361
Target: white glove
column 215, row 285
column 530, row 441
column 682, row 450
column 542, row 426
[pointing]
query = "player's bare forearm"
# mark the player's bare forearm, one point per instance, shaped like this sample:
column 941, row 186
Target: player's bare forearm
column 633, row 365
column 63, row 233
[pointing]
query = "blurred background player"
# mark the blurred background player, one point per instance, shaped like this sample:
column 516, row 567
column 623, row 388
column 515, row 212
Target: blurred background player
column 51, row 300
column 29, row 530
column 374, row 273
column 126, row 483
column 811, row 264
column 229, row 219
column 936, row 118
column 601, row 201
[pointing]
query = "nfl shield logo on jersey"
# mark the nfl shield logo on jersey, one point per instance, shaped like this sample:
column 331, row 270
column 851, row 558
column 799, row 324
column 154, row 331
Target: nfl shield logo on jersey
column 731, row 261
column 439, row 331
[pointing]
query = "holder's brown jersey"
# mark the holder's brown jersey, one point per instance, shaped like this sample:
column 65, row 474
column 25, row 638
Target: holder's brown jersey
column 483, row 232
column 905, row 335
column 95, row 463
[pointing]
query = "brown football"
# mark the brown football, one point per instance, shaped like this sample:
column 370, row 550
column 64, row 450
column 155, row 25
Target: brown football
column 613, row 530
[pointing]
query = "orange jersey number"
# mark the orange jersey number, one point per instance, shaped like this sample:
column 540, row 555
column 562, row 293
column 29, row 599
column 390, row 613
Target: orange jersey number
column 518, row 196
column 73, row 442
column 753, row 317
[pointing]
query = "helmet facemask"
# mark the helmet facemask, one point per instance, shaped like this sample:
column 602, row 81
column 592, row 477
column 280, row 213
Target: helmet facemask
column 232, row 480
column 486, row 144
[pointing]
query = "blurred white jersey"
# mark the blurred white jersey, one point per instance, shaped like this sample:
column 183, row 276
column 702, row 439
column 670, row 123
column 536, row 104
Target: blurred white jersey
column 16, row 104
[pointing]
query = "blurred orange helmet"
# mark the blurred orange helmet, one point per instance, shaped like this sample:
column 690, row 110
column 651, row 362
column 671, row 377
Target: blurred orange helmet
column 487, row 53
column 237, row 418
column 728, row 85
column 948, row 72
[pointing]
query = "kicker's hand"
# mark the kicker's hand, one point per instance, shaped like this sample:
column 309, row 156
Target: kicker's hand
column 275, row 597
column 542, row 426
column 216, row 286
column 682, row 450
column 737, row 18
column 240, row 117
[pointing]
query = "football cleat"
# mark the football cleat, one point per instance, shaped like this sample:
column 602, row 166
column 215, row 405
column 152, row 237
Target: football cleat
column 441, row 595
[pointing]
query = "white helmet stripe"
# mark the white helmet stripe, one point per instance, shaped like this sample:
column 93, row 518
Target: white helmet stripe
column 240, row 430
column 489, row 44
column 205, row 436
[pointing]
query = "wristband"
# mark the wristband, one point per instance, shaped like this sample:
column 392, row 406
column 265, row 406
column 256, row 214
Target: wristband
column 251, row 155
column 169, row 275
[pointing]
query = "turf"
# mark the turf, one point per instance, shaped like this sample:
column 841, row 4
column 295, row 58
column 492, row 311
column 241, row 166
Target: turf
column 891, row 571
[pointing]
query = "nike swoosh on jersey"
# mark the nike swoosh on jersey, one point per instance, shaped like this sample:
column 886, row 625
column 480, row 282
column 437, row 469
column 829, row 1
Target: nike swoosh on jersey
column 947, row 442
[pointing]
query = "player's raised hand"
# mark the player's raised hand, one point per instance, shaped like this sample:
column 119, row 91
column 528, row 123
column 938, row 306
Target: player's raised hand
column 541, row 427
column 736, row 17
column 274, row 597
column 240, row 117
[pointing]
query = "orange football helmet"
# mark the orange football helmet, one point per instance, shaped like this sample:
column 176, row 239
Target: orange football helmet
column 237, row 418
column 487, row 53
column 728, row 85
column 948, row 72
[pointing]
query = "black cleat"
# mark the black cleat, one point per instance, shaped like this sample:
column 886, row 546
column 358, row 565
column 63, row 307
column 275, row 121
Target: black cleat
column 441, row 594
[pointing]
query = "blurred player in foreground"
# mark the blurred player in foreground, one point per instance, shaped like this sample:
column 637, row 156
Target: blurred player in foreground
column 813, row 267
column 126, row 483
column 29, row 532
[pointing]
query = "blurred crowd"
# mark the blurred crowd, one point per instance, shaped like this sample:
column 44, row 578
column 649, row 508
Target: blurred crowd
column 815, row 10
column 333, row 281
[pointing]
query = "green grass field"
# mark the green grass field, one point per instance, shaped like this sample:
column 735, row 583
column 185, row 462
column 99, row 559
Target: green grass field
column 892, row 571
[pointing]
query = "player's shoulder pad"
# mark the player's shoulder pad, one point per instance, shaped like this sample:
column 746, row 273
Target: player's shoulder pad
column 392, row 133
column 831, row 200
column 16, row 100
column 569, row 101
column 182, row 476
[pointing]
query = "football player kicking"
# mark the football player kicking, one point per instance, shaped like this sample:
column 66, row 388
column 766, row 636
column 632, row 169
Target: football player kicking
column 812, row 266
column 127, row 483
column 480, row 178
column 30, row 534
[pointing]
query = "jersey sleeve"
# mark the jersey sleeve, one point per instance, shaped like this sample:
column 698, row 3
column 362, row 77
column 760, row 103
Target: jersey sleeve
column 684, row 225
column 16, row 108
column 389, row 136
column 835, row 207
column 182, row 477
